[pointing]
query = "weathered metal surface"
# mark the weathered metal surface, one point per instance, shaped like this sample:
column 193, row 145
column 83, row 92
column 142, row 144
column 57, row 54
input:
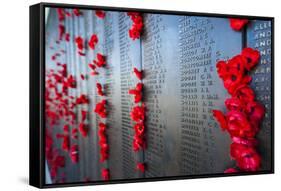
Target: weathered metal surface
column 178, row 55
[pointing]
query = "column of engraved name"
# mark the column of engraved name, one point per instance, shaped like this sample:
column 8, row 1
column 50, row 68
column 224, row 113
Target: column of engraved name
column 196, row 51
column 129, row 55
column 154, row 80
column 259, row 37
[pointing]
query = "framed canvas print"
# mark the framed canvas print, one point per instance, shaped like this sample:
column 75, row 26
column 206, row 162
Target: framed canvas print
column 130, row 95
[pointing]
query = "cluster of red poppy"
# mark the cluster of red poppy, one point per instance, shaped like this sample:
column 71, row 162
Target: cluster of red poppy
column 99, row 89
column 238, row 24
column 100, row 110
column 138, row 116
column 242, row 121
column 137, row 92
column 55, row 160
column 104, row 148
column 136, row 29
column 59, row 105
column 65, row 136
column 61, row 17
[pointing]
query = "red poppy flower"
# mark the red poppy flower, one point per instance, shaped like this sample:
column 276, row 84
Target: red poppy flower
column 133, row 14
column 230, row 170
column 251, row 142
column 93, row 41
column 63, row 72
column 100, row 109
column 102, row 128
column 138, row 73
column 138, row 113
column 61, row 14
column 83, row 128
column 244, row 93
column 59, row 161
column 53, row 171
column 66, row 129
column 139, row 129
column 61, row 31
column 232, row 73
column 134, row 33
column 66, row 143
column 82, row 76
column 77, row 12
column 238, row 125
column 99, row 89
column 252, row 57
column 68, row 14
column 100, row 61
column 100, row 14
column 249, row 162
column 93, row 67
column 238, row 24
column 74, row 153
column 81, row 53
column 53, row 57
column 141, row 166
column 105, row 173
column 84, row 115
column 79, row 43
column 82, row 99
column 74, row 133
column 67, row 37
column 246, row 157
column 255, row 111
column 104, row 148
column 137, row 92
column 236, row 104
column 219, row 116
column 138, row 143
column 94, row 73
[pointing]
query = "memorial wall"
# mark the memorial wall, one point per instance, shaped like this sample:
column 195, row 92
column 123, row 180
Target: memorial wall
column 181, row 87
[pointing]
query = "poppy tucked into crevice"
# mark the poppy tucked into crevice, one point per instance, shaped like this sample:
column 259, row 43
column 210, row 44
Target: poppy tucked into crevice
column 93, row 41
column 138, row 116
column 100, row 14
column 137, row 26
column 237, row 24
column 100, row 109
column 244, row 116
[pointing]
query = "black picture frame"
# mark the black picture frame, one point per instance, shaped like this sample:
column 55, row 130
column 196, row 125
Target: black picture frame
column 37, row 84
